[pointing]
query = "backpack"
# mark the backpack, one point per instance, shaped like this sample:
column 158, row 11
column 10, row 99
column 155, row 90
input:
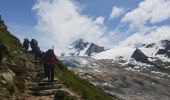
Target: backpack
column 49, row 56
column 26, row 43
column 34, row 43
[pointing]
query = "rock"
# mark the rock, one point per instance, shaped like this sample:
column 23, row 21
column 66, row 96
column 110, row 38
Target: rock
column 80, row 44
column 138, row 55
column 12, row 73
column 47, row 87
column 3, row 82
column 63, row 95
column 167, row 47
column 165, row 52
column 168, row 54
column 11, row 88
column 94, row 49
column 162, row 51
column 44, row 92
column 165, row 43
column 150, row 45
column 8, row 77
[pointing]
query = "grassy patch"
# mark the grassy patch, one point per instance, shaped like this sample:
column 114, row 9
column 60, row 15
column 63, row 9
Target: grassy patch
column 62, row 95
column 81, row 86
column 11, row 42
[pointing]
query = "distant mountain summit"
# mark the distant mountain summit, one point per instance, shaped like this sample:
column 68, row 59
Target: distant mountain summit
column 94, row 49
column 83, row 48
column 79, row 44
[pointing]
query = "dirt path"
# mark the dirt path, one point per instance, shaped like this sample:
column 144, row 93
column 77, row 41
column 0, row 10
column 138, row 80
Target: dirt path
column 38, row 88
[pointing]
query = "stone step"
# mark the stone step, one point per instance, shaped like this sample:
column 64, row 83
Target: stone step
column 46, row 83
column 44, row 92
column 47, row 87
column 46, row 80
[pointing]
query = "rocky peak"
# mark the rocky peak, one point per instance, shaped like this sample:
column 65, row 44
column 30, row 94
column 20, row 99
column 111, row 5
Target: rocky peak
column 94, row 49
column 79, row 44
column 138, row 55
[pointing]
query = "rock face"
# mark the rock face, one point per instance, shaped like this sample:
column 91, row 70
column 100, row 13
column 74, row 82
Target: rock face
column 80, row 44
column 81, row 48
column 94, row 49
column 138, row 55
column 165, row 43
column 150, row 45
column 164, row 52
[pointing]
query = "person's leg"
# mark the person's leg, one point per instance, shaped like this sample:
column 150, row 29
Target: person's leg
column 48, row 72
column 52, row 73
column 45, row 70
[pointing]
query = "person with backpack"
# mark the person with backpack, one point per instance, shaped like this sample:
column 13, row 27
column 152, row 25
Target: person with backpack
column 49, row 60
column 33, row 44
column 26, row 45
column 38, row 54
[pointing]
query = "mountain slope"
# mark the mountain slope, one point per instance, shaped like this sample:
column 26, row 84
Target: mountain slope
column 124, row 76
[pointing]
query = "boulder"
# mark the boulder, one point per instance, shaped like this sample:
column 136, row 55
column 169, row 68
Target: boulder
column 7, row 77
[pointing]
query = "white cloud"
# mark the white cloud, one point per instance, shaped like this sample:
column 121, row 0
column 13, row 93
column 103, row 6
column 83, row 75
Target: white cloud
column 62, row 21
column 99, row 20
column 158, row 34
column 148, row 12
column 152, row 11
column 116, row 12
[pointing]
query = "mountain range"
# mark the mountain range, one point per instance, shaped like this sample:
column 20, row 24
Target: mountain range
column 135, row 72
column 82, row 48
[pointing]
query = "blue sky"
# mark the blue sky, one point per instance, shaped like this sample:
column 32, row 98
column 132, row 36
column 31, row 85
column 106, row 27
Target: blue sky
column 105, row 22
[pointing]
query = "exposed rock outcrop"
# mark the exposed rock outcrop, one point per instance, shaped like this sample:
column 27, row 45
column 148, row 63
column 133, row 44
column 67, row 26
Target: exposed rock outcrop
column 94, row 49
column 138, row 55
column 79, row 45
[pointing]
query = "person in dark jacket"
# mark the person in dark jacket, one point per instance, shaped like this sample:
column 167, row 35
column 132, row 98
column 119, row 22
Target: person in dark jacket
column 44, row 65
column 49, row 60
column 26, row 45
column 33, row 44
column 38, row 54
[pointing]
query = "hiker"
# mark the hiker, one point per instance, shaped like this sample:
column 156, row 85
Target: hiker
column 33, row 44
column 26, row 45
column 44, row 65
column 49, row 60
column 38, row 55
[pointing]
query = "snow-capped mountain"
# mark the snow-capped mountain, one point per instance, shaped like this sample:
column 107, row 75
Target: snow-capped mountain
column 79, row 45
column 136, row 72
column 82, row 48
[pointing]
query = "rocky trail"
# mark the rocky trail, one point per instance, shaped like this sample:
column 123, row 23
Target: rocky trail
column 38, row 88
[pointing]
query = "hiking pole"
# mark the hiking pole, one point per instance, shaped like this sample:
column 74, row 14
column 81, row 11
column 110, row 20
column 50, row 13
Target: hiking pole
column 53, row 47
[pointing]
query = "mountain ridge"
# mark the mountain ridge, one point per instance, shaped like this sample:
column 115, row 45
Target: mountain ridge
column 83, row 48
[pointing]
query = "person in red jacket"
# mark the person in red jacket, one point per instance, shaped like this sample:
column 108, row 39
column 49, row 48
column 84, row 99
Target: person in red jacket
column 49, row 60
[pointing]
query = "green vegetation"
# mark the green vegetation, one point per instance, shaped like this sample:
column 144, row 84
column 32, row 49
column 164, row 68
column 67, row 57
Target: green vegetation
column 81, row 86
column 10, row 42
column 7, row 90
column 62, row 95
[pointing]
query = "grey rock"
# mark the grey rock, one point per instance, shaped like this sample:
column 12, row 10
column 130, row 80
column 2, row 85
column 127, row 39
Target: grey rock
column 8, row 77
